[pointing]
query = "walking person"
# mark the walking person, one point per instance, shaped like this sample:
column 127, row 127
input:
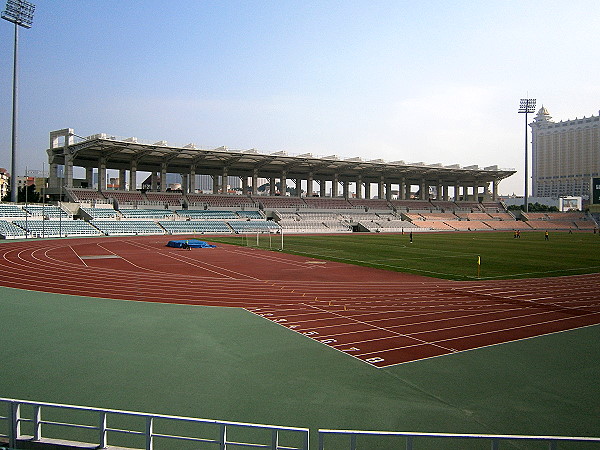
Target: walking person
column 546, row 236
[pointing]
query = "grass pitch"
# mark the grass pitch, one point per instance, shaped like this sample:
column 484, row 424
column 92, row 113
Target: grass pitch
column 453, row 256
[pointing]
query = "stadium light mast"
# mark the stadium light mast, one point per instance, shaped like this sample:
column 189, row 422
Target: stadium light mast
column 20, row 13
column 526, row 106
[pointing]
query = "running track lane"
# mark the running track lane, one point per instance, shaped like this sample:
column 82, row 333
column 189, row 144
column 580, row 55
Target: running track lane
column 379, row 317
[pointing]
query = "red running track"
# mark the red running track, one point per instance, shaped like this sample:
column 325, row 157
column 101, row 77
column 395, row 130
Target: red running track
column 380, row 317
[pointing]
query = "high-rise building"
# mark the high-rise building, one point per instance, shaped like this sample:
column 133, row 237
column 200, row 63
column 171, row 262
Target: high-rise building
column 565, row 155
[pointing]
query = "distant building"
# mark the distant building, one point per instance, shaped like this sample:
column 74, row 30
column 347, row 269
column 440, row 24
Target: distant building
column 4, row 182
column 565, row 155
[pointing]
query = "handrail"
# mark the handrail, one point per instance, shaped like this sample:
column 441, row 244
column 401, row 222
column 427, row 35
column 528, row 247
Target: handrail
column 15, row 419
column 495, row 438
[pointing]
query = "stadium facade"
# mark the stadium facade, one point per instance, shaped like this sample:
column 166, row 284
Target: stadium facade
column 565, row 155
column 316, row 176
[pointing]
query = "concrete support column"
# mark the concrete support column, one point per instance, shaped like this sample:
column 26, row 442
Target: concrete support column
column 345, row 190
column 388, row 191
column 255, row 182
column 381, row 191
column 456, row 191
column 192, row 184
column 402, row 189
column 298, row 182
column 53, row 176
column 335, row 184
column 272, row 187
column 163, row 177
column 244, row 185
column 133, row 176
column 445, row 192
column 185, row 181
column 122, row 179
column 283, row 184
column 368, row 190
column 424, row 194
column 495, row 190
column 438, row 190
column 215, row 184
column 224, row 180
column 359, row 187
column 154, row 181
column 68, row 173
column 89, row 177
column 102, row 174
column 322, row 187
column 309, row 184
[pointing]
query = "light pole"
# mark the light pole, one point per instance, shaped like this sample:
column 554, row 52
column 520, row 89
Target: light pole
column 20, row 13
column 526, row 106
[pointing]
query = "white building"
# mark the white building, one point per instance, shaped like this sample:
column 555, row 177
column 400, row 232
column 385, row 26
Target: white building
column 565, row 155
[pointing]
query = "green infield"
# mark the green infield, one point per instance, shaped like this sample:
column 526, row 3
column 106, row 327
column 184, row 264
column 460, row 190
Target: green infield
column 454, row 256
column 225, row 363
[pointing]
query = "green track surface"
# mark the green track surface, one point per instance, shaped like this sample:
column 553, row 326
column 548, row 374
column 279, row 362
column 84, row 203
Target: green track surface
column 449, row 255
column 225, row 363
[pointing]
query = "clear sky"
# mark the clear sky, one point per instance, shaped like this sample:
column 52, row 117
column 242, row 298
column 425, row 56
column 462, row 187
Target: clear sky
column 430, row 81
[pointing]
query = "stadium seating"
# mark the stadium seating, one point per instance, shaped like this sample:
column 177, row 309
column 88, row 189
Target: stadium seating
column 56, row 228
column 194, row 226
column 9, row 210
column 146, row 213
column 8, row 230
column 116, row 227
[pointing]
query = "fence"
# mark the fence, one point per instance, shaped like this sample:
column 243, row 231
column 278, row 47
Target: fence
column 410, row 437
column 202, row 430
column 35, row 416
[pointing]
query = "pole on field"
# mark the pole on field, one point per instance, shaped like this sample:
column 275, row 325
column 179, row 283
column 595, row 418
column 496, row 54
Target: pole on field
column 478, row 266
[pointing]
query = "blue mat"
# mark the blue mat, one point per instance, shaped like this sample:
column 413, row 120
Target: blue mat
column 192, row 243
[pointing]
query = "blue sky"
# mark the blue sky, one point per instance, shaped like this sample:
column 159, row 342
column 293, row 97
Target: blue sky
column 431, row 81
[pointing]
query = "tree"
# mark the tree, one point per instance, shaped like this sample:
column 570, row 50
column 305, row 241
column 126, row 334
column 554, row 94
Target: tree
column 32, row 195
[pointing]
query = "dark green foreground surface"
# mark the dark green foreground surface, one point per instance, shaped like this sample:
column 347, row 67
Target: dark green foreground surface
column 228, row 364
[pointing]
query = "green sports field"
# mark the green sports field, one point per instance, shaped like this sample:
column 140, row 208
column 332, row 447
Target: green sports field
column 226, row 363
column 452, row 256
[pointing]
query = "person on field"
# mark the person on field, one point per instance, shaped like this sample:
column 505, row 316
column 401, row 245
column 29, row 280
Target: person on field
column 410, row 237
column 546, row 236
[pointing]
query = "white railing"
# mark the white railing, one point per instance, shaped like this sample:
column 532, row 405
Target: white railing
column 409, row 437
column 216, row 433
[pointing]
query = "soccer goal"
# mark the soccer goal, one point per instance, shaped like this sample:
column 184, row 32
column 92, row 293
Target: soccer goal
column 267, row 239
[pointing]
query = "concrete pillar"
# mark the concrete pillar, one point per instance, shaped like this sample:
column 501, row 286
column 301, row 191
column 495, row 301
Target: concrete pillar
column 133, row 176
column 402, row 189
column 215, row 184
column 309, row 185
column 68, row 171
column 272, row 187
column 335, row 186
column 388, row 191
column 102, row 174
column 163, row 177
column 298, row 187
column 424, row 194
column 359, row 187
column 381, row 191
column 153, row 181
column 322, row 188
column 495, row 190
column 89, row 177
column 345, row 190
column 255, row 182
column 368, row 190
column 224, row 180
column 122, row 179
column 192, row 183
column 283, row 184
column 53, row 176
column 244, row 185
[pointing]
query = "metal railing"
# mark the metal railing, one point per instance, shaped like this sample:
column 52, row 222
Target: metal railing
column 213, row 431
column 410, row 437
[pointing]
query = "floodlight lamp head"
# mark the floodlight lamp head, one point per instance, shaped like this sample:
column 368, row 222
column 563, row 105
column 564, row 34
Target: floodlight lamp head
column 527, row 105
column 19, row 12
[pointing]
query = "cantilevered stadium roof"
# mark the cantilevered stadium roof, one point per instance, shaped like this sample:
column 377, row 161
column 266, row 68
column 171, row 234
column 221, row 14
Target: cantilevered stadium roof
column 120, row 153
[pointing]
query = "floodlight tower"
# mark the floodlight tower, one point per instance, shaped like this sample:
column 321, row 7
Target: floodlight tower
column 526, row 106
column 20, row 13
